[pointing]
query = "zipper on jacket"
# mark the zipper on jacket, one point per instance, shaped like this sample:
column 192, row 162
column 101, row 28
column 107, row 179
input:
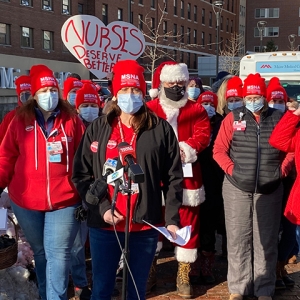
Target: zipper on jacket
column 258, row 157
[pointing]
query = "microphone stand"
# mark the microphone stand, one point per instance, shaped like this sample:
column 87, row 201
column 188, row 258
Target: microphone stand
column 126, row 247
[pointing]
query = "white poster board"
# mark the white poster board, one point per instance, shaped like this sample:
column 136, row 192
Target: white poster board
column 99, row 47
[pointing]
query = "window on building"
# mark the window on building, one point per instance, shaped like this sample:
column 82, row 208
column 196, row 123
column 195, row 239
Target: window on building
column 80, row 9
column 131, row 17
column 47, row 5
column 221, row 23
column 232, row 5
column 120, row 14
column 182, row 9
column 140, row 22
column 189, row 35
column 266, row 13
column 47, row 40
column 256, row 48
column 203, row 16
column 175, row 7
column 165, row 29
column 165, row 5
column 26, row 2
column 195, row 36
column 227, row 25
column 203, row 38
column 4, row 34
column 188, row 59
column 175, row 33
column 267, row 31
column 231, row 26
column 175, row 55
column 152, row 3
column 210, row 41
column 195, row 62
column 181, row 34
column 189, row 11
column 195, row 14
column 152, row 26
column 104, row 14
column 141, row 2
column 66, row 7
column 210, row 19
column 181, row 56
column 26, row 37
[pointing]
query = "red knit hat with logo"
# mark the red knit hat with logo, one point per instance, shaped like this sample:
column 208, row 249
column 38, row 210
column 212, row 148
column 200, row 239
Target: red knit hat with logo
column 234, row 87
column 168, row 71
column 23, row 84
column 254, row 84
column 128, row 73
column 208, row 96
column 87, row 94
column 275, row 90
column 70, row 84
column 41, row 76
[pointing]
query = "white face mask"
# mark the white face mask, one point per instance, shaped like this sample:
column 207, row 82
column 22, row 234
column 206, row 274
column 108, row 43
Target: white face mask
column 48, row 100
column 89, row 113
column 280, row 106
column 211, row 111
column 234, row 105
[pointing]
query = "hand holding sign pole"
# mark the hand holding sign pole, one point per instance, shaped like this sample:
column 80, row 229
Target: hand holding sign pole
column 99, row 47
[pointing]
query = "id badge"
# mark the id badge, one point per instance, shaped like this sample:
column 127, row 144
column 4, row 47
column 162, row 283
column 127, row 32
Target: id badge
column 239, row 125
column 55, row 158
column 54, row 148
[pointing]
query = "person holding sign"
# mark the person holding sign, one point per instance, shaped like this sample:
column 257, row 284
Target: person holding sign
column 154, row 149
column 36, row 159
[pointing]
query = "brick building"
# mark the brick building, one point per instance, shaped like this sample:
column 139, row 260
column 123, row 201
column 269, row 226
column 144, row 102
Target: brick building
column 282, row 19
column 30, row 32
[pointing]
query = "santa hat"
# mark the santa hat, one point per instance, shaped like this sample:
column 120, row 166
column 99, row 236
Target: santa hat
column 70, row 84
column 87, row 94
column 128, row 73
column 208, row 96
column 234, row 87
column 275, row 90
column 41, row 76
column 23, row 84
column 168, row 71
column 254, row 84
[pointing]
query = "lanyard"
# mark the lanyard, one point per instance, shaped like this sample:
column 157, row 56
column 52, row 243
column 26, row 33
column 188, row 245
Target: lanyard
column 122, row 133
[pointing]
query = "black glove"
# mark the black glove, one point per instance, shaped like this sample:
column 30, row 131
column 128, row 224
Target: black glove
column 1, row 190
column 96, row 192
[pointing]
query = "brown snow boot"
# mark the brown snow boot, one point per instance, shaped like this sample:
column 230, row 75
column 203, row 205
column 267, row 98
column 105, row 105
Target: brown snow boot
column 184, row 288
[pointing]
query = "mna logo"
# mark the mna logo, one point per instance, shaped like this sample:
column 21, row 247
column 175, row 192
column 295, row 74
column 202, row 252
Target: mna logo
column 266, row 67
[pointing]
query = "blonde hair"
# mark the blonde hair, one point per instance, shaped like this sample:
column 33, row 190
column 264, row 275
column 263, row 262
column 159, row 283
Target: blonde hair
column 221, row 93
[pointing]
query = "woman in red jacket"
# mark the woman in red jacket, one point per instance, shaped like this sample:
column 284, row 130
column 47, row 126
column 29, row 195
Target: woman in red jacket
column 36, row 159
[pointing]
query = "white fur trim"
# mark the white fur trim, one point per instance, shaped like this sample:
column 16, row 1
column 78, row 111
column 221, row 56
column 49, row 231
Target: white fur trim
column 190, row 153
column 153, row 93
column 185, row 255
column 193, row 197
column 174, row 73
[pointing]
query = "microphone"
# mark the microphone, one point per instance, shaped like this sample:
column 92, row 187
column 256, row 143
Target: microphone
column 109, row 167
column 127, row 155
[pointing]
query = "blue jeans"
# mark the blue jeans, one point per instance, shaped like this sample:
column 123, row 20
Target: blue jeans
column 106, row 254
column 78, row 267
column 51, row 236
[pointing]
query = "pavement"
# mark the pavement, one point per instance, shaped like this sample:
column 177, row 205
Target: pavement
column 166, row 281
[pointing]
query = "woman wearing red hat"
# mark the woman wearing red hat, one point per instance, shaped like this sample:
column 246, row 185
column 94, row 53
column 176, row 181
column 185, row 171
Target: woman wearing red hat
column 36, row 159
column 252, row 192
column 152, row 141
column 71, row 85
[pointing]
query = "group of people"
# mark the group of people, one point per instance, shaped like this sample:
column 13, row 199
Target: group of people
column 215, row 161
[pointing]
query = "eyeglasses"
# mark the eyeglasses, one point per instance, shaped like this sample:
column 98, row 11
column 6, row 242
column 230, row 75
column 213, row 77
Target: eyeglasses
column 252, row 99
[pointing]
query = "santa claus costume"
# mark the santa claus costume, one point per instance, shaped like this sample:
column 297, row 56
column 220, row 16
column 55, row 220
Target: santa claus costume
column 191, row 125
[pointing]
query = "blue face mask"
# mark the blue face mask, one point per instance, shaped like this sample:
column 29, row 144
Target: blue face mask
column 72, row 98
column 193, row 92
column 211, row 111
column 89, row 113
column 48, row 101
column 130, row 103
column 234, row 105
column 255, row 106
column 280, row 106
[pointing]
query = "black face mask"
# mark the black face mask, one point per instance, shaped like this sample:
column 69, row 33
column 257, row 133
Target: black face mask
column 175, row 92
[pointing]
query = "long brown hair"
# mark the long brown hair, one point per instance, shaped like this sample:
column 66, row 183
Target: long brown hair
column 143, row 119
column 27, row 111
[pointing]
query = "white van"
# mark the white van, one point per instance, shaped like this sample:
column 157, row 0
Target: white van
column 283, row 64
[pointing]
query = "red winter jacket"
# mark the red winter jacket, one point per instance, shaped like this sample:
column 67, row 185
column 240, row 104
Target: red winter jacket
column 5, row 123
column 286, row 137
column 34, row 182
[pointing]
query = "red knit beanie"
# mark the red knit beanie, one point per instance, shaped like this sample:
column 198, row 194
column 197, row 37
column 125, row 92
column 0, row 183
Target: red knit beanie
column 87, row 94
column 70, row 84
column 23, row 84
column 41, row 76
column 168, row 71
column 234, row 87
column 275, row 90
column 254, row 84
column 128, row 73
column 208, row 96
